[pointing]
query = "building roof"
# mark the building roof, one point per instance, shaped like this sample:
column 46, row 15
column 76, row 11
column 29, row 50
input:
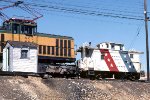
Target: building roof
column 22, row 44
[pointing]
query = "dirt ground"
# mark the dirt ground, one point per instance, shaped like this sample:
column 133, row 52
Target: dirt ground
column 35, row 88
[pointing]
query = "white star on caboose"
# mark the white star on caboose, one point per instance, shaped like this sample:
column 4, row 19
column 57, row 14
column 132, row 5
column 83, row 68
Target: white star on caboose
column 105, row 54
column 111, row 65
column 108, row 59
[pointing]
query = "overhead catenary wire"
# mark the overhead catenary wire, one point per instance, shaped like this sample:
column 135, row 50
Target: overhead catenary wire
column 85, row 12
column 136, row 36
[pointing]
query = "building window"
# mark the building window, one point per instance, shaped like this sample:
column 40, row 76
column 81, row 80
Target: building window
column 24, row 54
column 131, row 55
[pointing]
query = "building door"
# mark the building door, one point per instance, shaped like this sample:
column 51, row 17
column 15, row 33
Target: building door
column 6, row 59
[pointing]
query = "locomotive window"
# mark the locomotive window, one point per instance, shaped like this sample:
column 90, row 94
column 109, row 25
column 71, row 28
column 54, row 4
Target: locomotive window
column 61, row 47
column 57, row 42
column 28, row 30
column 15, row 28
column 69, row 44
column 44, row 49
column 61, row 43
column 65, row 43
column 48, row 50
column 53, row 51
column 2, row 41
column 57, row 51
column 40, row 49
column 69, row 52
column 65, row 51
column 61, row 51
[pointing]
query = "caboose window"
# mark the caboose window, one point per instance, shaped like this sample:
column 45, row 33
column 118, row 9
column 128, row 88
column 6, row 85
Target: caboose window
column 131, row 55
column 102, row 57
column 112, row 47
column 107, row 45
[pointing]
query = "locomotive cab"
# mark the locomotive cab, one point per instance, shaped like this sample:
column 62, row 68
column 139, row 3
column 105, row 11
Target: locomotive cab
column 20, row 26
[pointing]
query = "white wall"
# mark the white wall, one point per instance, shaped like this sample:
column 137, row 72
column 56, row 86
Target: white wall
column 24, row 65
column 5, row 58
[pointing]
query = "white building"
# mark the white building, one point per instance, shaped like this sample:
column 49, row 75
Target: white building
column 20, row 57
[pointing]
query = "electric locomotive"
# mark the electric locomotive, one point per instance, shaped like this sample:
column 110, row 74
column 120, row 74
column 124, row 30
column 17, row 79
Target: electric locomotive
column 52, row 48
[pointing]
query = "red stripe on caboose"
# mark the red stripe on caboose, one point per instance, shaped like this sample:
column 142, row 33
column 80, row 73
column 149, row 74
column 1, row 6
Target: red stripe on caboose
column 109, row 60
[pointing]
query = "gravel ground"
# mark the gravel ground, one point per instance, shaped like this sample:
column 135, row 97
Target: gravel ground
column 35, row 88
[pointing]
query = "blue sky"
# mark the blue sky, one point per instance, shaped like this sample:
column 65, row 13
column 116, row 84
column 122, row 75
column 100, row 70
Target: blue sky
column 95, row 29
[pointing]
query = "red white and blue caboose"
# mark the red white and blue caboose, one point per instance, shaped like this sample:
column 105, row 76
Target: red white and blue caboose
column 109, row 60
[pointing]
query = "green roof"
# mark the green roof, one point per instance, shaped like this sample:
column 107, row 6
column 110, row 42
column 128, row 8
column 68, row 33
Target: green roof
column 54, row 36
column 43, row 35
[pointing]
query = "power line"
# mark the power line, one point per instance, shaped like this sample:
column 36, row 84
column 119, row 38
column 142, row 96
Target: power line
column 86, row 12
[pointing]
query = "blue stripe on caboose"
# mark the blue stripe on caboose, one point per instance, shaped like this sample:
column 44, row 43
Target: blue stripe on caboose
column 127, row 61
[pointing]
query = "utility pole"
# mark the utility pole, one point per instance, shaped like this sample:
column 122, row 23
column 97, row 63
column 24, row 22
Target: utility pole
column 146, row 30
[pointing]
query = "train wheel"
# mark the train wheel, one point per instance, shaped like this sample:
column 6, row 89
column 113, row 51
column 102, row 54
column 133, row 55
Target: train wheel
column 134, row 77
column 117, row 76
